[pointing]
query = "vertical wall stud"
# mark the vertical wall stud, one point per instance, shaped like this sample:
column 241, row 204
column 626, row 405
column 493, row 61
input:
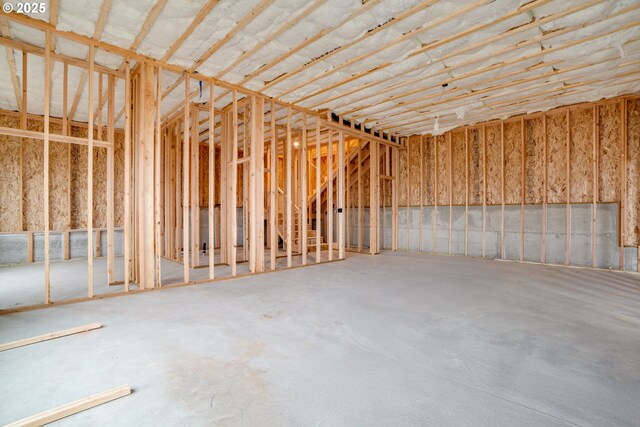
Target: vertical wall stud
column 212, row 187
column 127, row 175
column 47, row 103
column 273, row 190
column 90, row 176
column 185, row 183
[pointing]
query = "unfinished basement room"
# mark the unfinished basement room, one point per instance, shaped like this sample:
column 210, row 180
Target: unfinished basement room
column 320, row 212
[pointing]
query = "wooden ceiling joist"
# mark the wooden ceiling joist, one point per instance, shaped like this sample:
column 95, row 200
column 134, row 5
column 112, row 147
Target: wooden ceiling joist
column 404, row 15
column 281, row 30
column 366, row 6
column 461, row 50
column 102, row 20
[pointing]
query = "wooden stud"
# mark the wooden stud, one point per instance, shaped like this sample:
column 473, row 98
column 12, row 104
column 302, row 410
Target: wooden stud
column 360, row 207
column 623, row 186
column 394, row 198
column 522, row 189
column 374, row 196
column 450, row 192
column 157, row 170
column 568, row 204
column 257, row 151
column 484, row 191
column 255, row 179
column 422, row 142
column 49, row 336
column 65, row 132
column 288, row 191
column 72, row 408
column 127, row 177
column 502, row 248
column 233, row 184
column 110, row 179
column 466, row 193
column 594, row 185
column 212, row 187
column 273, row 190
column 408, row 183
column 435, row 195
column 545, row 184
column 90, row 177
column 185, row 184
column 146, row 245
column 23, row 126
column 341, row 191
column 330, row 209
column 194, row 189
column 46, row 201
column 303, row 237
column 318, row 194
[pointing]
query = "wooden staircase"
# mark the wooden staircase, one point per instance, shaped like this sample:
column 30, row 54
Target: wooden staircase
column 296, row 238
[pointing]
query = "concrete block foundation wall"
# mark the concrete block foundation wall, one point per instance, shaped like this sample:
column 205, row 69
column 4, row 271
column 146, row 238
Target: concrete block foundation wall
column 410, row 231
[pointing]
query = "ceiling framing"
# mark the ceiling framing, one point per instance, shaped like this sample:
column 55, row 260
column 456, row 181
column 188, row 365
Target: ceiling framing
column 403, row 67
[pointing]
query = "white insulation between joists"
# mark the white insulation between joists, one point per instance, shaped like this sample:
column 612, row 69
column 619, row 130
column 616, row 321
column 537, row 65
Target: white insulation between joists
column 381, row 55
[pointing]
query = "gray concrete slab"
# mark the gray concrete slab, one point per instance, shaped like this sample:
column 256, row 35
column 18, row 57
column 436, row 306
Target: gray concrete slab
column 394, row 339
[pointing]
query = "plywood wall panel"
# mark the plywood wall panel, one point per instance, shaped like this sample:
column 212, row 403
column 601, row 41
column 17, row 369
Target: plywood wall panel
column 429, row 171
column 58, row 186
column 99, row 187
column 203, row 177
column 582, row 138
column 414, row 144
column 9, row 177
column 534, row 164
column 633, row 172
column 610, row 130
column 119, row 180
column 458, row 167
column 402, row 187
column 442, row 147
column 33, row 179
column 78, row 187
column 513, row 161
column 494, row 165
column 556, row 158
column 476, row 159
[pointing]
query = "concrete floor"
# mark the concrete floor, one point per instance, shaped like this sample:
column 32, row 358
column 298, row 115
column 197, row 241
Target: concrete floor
column 395, row 339
column 23, row 284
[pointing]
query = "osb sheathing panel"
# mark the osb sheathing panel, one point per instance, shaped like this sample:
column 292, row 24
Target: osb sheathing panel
column 413, row 146
column 99, row 187
column 610, row 129
column 442, row 147
column 494, row 165
column 58, row 186
column 534, row 164
column 402, row 190
column 119, row 180
column 476, row 159
column 458, row 164
column 556, row 158
column 78, row 187
column 513, row 162
column 366, row 188
column 9, row 177
column 633, row 172
column 33, row 179
column 581, row 152
column 203, row 177
column 429, row 171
